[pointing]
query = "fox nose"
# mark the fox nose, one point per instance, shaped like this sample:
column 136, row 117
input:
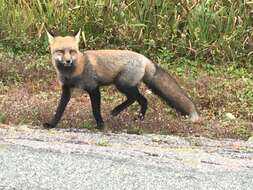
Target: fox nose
column 68, row 62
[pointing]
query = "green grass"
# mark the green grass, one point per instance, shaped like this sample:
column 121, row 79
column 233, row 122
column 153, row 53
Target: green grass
column 87, row 125
column 218, row 32
column 243, row 132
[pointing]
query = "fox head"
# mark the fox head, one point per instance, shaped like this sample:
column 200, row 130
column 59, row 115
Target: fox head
column 64, row 50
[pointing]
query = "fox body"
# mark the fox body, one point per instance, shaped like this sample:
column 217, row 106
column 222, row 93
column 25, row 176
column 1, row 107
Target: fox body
column 125, row 69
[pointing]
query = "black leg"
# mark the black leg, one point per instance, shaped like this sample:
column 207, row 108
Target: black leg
column 133, row 95
column 122, row 106
column 95, row 98
column 144, row 104
column 65, row 97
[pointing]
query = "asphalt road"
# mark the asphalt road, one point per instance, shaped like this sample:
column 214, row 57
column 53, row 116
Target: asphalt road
column 79, row 159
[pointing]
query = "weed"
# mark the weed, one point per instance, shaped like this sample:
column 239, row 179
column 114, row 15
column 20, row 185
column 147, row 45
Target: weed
column 134, row 130
column 87, row 125
column 243, row 132
column 3, row 118
column 103, row 143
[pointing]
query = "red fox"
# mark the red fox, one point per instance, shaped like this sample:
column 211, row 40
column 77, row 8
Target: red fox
column 125, row 69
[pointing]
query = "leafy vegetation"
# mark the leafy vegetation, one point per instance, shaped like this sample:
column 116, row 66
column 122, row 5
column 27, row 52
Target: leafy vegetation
column 215, row 31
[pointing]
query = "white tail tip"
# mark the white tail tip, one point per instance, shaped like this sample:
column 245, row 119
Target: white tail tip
column 195, row 118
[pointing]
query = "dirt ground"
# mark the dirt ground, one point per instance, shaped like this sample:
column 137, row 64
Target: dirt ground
column 31, row 98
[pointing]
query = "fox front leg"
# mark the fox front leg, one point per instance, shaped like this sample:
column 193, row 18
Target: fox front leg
column 65, row 97
column 95, row 98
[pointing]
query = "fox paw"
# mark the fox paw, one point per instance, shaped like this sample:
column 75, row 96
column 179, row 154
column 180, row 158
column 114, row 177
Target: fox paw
column 100, row 125
column 48, row 126
column 139, row 117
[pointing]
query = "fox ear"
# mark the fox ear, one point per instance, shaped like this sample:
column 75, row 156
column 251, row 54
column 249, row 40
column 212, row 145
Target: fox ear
column 50, row 37
column 77, row 36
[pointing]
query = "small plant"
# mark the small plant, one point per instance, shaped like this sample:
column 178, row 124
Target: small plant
column 3, row 118
column 103, row 143
column 134, row 130
column 242, row 132
column 86, row 125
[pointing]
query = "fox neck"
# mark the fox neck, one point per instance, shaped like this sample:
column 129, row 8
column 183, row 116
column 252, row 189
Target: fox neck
column 72, row 71
column 79, row 67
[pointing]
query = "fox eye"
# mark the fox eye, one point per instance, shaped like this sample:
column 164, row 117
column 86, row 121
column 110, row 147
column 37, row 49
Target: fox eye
column 72, row 51
column 60, row 51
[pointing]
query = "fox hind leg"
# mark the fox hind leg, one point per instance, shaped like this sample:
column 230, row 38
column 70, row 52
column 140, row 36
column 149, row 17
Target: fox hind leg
column 132, row 94
column 122, row 106
column 144, row 104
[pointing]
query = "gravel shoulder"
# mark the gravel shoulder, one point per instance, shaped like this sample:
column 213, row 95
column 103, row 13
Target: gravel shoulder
column 34, row 158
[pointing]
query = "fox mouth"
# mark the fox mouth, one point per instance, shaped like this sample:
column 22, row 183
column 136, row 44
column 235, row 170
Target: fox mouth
column 68, row 64
column 64, row 66
column 65, row 63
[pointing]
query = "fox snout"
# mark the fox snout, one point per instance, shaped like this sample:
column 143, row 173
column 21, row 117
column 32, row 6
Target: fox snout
column 68, row 63
column 65, row 61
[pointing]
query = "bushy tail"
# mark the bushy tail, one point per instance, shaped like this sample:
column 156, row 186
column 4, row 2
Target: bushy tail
column 165, row 86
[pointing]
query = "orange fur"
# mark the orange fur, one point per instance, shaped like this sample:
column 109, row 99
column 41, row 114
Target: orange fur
column 79, row 65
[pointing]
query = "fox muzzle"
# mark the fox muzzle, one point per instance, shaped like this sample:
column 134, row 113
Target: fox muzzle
column 68, row 63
